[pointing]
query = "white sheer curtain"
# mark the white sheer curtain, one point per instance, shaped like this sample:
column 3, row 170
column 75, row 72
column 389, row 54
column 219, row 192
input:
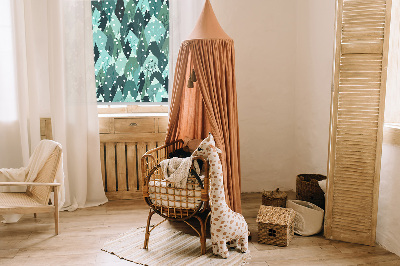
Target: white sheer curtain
column 55, row 78
column 10, row 147
column 183, row 15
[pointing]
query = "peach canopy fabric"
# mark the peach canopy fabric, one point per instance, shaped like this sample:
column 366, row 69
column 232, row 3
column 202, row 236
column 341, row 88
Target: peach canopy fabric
column 211, row 106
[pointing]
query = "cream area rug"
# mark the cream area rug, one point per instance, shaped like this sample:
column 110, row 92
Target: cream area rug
column 168, row 247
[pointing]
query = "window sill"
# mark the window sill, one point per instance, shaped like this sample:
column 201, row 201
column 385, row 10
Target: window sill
column 127, row 115
column 391, row 133
column 132, row 110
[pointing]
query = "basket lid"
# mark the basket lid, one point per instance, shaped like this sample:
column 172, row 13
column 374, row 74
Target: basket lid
column 311, row 177
column 275, row 215
column 275, row 194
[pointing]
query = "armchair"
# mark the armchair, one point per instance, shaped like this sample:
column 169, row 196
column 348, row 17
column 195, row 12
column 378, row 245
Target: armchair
column 36, row 197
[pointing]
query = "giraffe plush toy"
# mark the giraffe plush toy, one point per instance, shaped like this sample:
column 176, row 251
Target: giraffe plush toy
column 226, row 225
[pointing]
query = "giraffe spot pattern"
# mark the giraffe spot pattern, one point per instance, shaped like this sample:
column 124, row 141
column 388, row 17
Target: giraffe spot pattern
column 226, row 225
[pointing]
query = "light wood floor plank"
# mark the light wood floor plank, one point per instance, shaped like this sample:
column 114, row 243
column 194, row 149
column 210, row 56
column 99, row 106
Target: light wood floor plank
column 83, row 232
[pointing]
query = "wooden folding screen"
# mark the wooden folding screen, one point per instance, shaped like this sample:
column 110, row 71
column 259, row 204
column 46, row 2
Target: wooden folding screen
column 358, row 96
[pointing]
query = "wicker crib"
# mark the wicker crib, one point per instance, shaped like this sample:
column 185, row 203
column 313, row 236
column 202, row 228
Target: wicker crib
column 170, row 202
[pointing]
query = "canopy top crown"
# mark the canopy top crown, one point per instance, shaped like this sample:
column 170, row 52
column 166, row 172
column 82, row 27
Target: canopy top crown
column 207, row 26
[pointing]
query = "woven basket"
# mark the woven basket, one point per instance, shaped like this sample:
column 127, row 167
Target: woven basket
column 275, row 225
column 308, row 189
column 274, row 198
column 276, row 235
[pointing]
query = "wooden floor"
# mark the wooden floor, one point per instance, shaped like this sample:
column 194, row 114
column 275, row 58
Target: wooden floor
column 82, row 233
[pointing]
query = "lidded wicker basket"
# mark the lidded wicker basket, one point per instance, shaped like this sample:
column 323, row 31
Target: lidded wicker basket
column 275, row 225
column 274, row 198
column 308, row 189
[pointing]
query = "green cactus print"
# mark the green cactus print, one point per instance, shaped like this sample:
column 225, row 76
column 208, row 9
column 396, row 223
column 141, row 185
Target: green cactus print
column 131, row 46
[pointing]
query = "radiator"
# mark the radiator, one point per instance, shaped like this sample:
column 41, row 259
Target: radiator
column 121, row 168
column 123, row 141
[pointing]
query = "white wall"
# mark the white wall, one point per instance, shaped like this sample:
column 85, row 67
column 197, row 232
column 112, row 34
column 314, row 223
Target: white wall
column 284, row 52
column 314, row 60
column 264, row 32
column 388, row 227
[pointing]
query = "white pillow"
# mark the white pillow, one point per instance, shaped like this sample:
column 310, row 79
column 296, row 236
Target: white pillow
column 309, row 217
column 322, row 184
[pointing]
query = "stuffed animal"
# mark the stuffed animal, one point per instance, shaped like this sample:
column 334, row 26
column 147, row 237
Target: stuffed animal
column 226, row 225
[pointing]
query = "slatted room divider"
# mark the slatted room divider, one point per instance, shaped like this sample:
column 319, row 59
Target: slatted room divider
column 358, row 95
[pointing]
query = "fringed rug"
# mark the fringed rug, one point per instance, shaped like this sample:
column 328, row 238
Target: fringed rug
column 168, row 247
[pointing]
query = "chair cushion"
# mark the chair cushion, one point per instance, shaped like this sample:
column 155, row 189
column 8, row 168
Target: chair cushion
column 16, row 199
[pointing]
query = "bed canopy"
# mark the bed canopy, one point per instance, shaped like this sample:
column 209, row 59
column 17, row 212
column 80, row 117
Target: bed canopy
column 204, row 97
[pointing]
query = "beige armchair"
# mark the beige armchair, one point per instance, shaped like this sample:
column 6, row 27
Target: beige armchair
column 36, row 197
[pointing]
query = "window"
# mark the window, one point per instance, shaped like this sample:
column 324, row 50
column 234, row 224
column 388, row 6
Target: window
column 391, row 130
column 131, row 47
column 392, row 108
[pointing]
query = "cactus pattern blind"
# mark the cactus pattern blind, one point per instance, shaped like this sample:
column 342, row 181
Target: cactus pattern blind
column 131, row 47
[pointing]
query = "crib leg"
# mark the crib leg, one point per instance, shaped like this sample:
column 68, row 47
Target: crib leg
column 147, row 235
column 203, row 236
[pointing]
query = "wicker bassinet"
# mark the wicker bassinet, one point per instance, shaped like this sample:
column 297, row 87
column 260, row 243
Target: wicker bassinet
column 170, row 202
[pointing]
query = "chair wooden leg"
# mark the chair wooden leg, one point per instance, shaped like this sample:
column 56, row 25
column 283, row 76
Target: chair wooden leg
column 34, row 215
column 56, row 211
column 147, row 235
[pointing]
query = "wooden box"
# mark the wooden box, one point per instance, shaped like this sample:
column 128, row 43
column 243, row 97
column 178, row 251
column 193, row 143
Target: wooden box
column 275, row 225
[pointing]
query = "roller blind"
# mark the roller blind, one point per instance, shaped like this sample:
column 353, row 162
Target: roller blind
column 358, row 97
